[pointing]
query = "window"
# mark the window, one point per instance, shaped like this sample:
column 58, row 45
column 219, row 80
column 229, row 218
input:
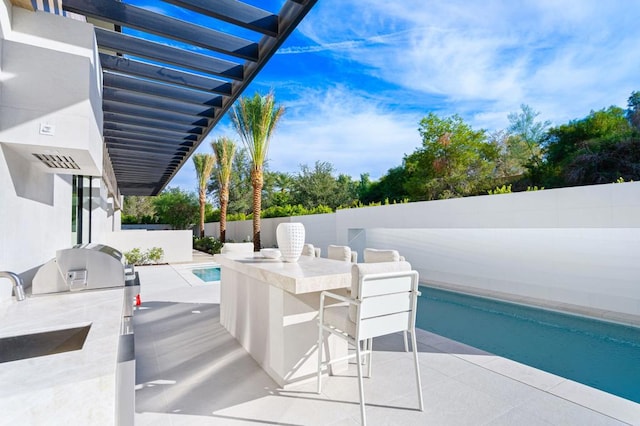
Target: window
column 81, row 209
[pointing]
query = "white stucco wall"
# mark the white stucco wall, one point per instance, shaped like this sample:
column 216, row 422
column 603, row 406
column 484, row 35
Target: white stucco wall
column 51, row 76
column 177, row 245
column 570, row 245
column 242, row 230
column 319, row 229
column 102, row 213
column 5, row 21
column 596, row 206
column 47, row 73
column 35, row 214
column 591, row 267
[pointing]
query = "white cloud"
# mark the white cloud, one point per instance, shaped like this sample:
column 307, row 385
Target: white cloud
column 567, row 56
column 345, row 128
column 348, row 129
column 481, row 60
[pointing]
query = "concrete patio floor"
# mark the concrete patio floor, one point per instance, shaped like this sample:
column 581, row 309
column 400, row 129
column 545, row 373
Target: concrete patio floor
column 191, row 371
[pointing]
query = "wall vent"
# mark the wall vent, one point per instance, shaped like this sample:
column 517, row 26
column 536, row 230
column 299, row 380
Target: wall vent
column 58, row 161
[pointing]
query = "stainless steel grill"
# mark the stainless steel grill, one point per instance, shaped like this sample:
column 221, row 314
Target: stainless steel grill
column 96, row 266
column 83, row 267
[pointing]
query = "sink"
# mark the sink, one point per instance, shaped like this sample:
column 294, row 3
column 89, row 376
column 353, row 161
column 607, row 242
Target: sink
column 25, row 346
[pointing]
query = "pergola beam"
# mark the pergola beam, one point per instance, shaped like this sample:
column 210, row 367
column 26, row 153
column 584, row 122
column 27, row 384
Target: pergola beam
column 129, row 16
column 234, row 12
column 136, row 46
column 165, row 74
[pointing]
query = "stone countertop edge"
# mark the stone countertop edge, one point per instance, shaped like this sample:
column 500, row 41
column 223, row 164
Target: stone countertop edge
column 308, row 275
column 77, row 387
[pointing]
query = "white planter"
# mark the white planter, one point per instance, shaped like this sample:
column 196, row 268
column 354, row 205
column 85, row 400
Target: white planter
column 290, row 238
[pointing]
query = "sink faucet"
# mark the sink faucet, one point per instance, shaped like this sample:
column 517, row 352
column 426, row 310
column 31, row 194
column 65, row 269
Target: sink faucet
column 17, row 283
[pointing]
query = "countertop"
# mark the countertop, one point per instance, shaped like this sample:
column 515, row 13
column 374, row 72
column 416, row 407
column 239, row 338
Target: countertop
column 307, row 275
column 71, row 388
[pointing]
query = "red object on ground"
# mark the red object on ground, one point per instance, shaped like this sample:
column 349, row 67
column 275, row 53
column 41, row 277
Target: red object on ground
column 138, row 301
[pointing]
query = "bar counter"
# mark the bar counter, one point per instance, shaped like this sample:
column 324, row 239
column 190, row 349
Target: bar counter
column 271, row 308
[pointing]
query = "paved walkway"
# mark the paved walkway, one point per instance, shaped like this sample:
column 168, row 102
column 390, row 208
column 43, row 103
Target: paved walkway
column 191, row 371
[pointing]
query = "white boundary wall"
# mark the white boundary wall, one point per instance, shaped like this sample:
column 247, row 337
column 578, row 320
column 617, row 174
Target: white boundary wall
column 595, row 268
column 320, row 229
column 570, row 245
column 177, row 245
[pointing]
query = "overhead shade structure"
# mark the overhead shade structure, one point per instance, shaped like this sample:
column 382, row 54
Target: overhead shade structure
column 168, row 81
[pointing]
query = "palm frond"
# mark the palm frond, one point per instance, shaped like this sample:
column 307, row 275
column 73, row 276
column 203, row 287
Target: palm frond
column 203, row 164
column 224, row 150
column 255, row 120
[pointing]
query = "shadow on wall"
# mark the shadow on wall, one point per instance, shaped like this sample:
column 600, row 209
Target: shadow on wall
column 27, row 180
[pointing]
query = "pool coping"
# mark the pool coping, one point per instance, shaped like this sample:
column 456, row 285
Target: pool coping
column 567, row 308
column 184, row 270
column 578, row 393
column 586, row 396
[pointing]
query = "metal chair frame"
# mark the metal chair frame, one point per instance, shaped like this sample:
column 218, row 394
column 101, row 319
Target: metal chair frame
column 386, row 303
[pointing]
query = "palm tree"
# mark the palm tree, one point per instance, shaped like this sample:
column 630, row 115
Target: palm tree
column 204, row 166
column 255, row 119
column 224, row 150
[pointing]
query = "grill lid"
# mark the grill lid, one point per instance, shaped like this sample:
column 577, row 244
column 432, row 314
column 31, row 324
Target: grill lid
column 82, row 267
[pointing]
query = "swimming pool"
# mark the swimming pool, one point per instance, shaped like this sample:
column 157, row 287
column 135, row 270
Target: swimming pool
column 208, row 274
column 599, row 354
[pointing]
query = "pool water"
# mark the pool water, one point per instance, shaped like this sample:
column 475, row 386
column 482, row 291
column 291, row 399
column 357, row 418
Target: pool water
column 599, row 354
column 209, row 274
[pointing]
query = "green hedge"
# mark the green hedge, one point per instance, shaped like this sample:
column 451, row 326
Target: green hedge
column 209, row 245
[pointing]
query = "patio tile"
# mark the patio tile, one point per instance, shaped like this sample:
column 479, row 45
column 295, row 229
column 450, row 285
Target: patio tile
column 466, row 352
column 346, row 422
column 524, row 373
column 302, row 409
column 180, row 419
column 445, row 403
column 594, row 399
column 443, row 362
column 429, row 338
column 191, row 371
column 390, row 380
column 518, row 416
column 505, row 389
column 559, row 411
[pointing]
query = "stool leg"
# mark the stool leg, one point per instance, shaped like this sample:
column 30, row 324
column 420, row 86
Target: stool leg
column 360, row 386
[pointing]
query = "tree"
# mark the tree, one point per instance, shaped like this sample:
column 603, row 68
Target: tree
column 255, row 120
column 277, row 189
column 525, row 138
column 531, row 132
column 314, row 187
column 346, row 191
column 389, row 187
column 592, row 135
column 454, row 160
column 138, row 209
column 223, row 150
column 240, row 191
column 176, row 208
column 203, row 164
column 318, row 187
column 633, row 113
column 510, row 162
column 364, row 185
column 612, row 162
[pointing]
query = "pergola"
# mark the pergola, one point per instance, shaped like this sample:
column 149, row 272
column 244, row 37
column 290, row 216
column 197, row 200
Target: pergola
column 167, row 81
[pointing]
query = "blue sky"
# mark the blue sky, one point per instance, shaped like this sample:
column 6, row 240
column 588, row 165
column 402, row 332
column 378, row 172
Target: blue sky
column 356, row 77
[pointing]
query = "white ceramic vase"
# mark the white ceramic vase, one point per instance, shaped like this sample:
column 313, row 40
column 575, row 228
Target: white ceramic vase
column 290, row 238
